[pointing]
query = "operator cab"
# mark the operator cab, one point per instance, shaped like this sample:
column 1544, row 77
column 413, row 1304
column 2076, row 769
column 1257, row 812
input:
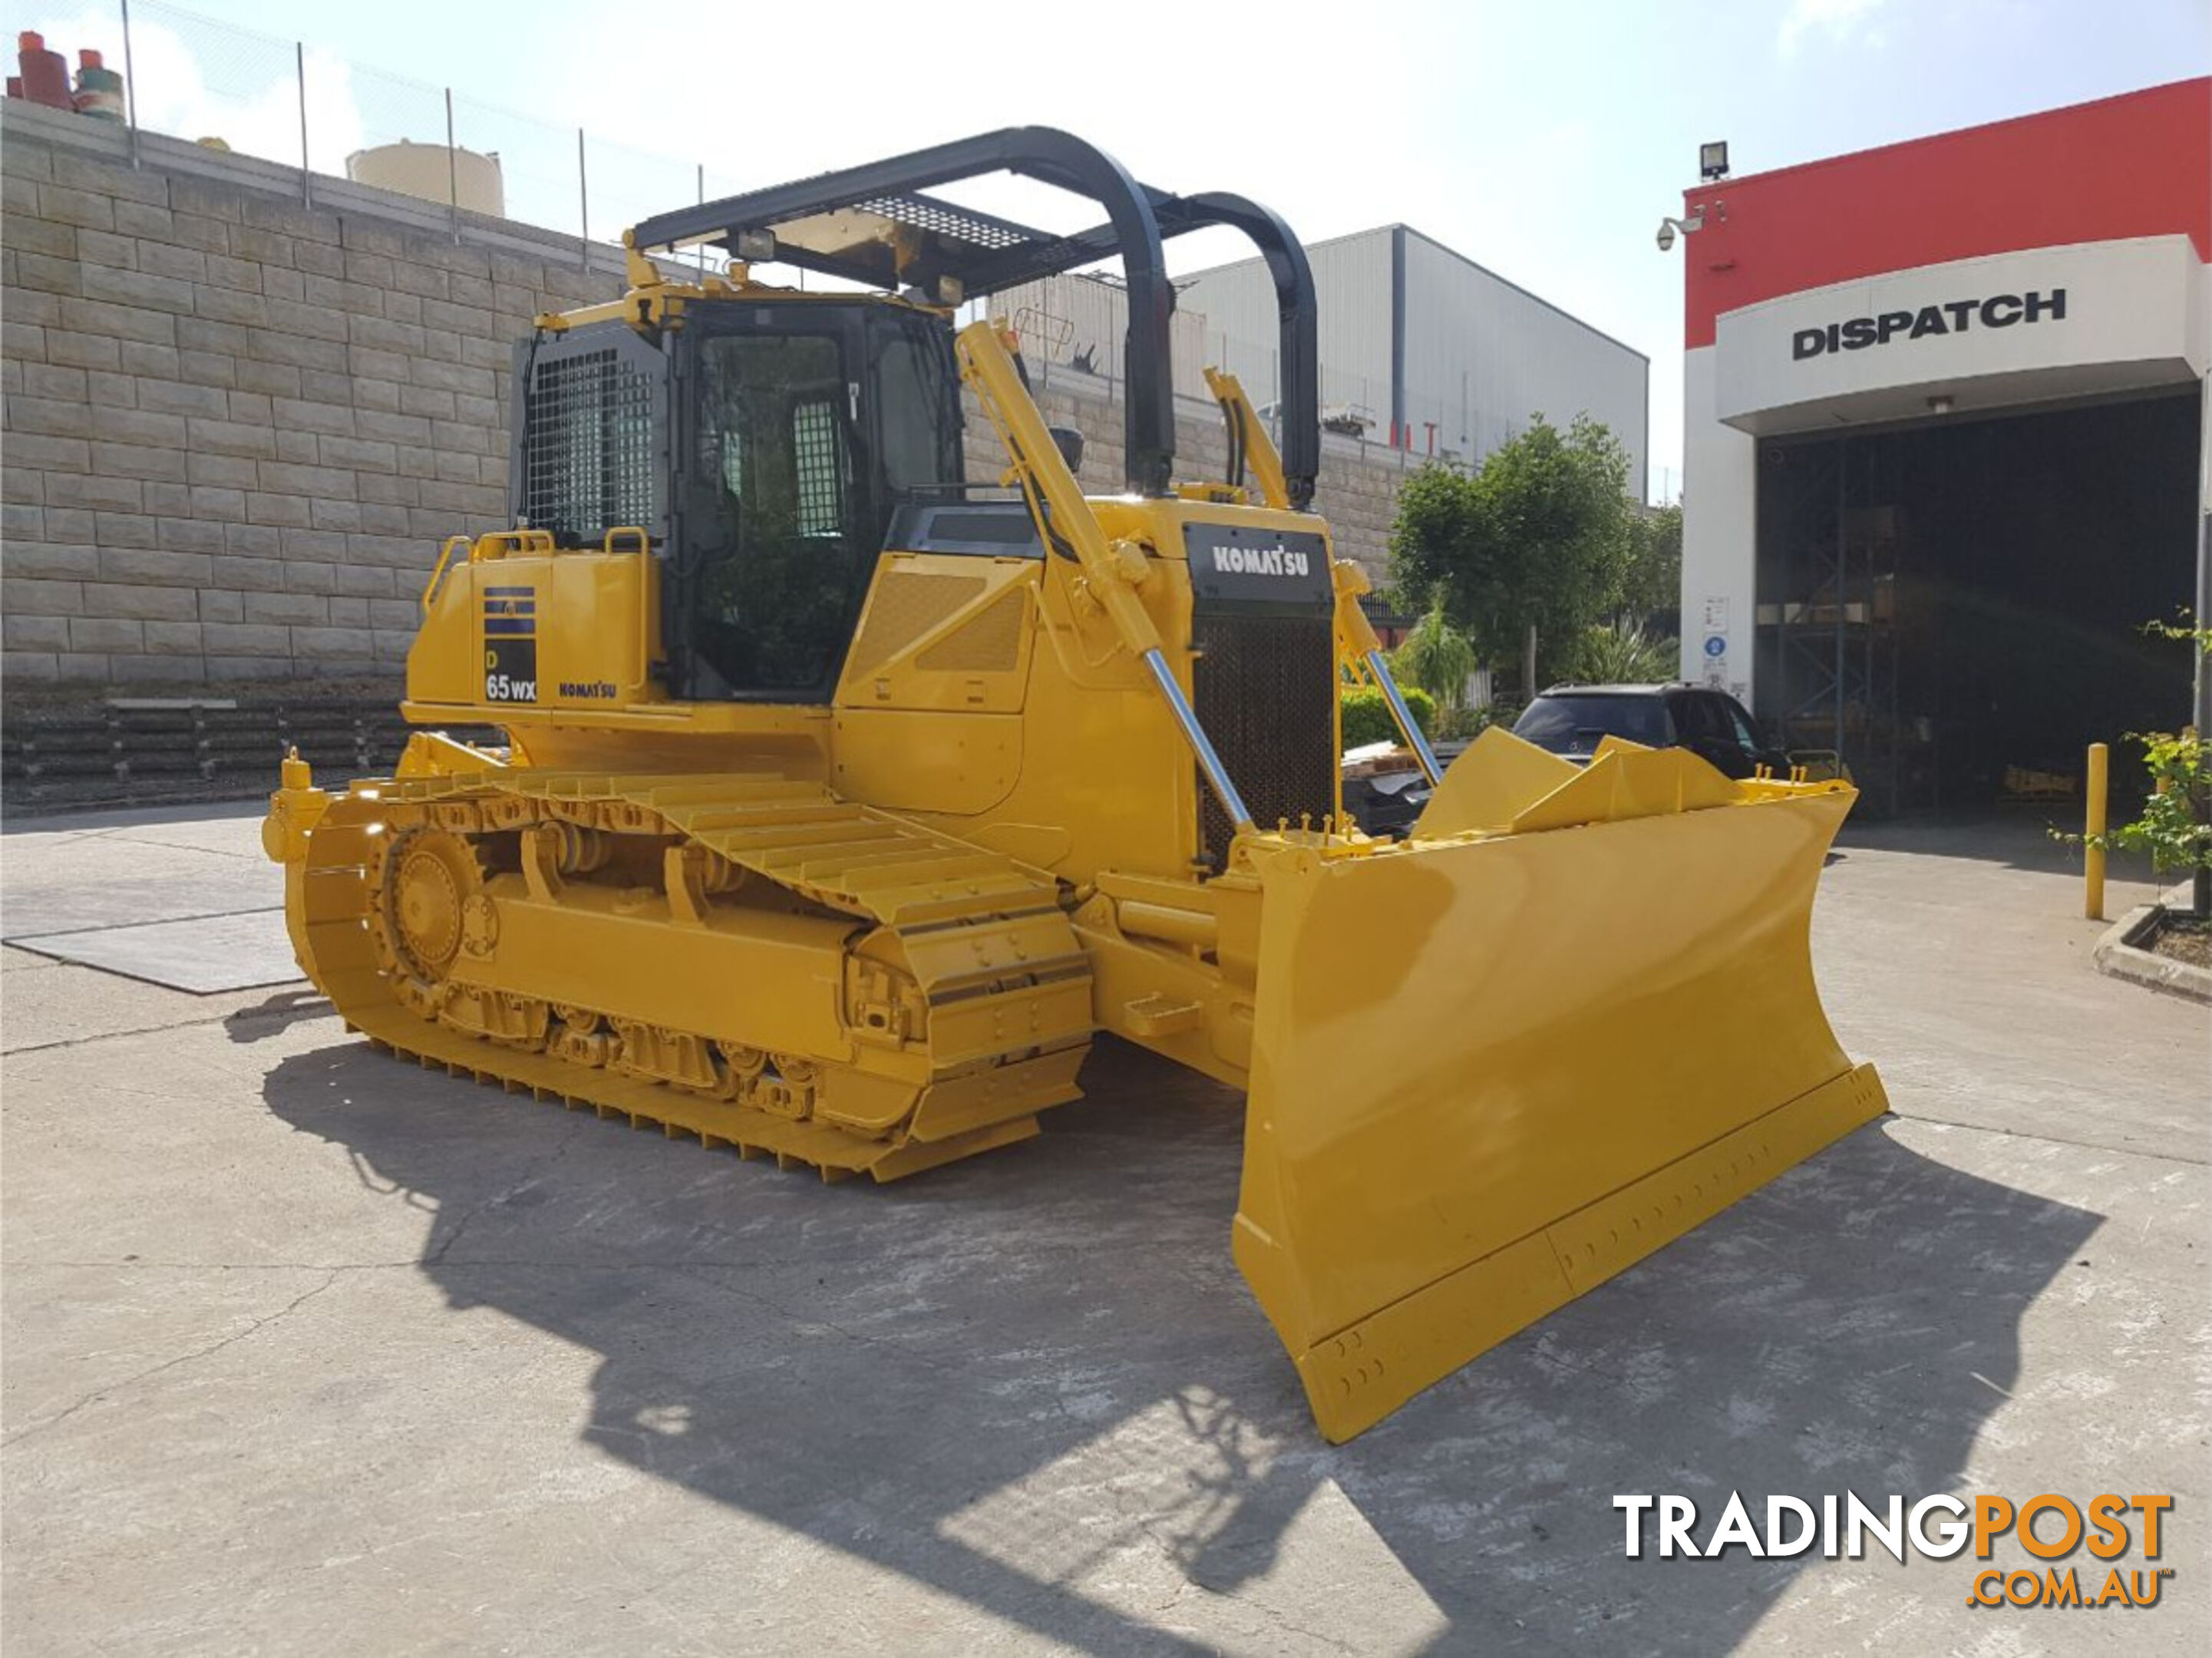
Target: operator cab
column 805, row 426
column 765, row 440
column 792, row 428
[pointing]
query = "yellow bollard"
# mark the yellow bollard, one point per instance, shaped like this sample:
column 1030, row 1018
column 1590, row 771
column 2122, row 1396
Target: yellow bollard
column 2093, row 866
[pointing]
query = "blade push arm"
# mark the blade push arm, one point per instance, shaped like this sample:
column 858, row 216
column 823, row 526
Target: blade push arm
column 1356, row 643
column 1113, row 571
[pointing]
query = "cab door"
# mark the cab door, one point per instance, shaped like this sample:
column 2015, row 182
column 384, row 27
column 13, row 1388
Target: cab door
column 772, row 556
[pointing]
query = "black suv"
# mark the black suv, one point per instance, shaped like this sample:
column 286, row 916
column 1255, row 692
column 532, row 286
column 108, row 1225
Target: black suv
column 1571, row 719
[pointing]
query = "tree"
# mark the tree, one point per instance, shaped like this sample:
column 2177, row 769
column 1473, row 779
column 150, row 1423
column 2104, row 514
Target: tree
column 1539, row 537
column 1651, row 586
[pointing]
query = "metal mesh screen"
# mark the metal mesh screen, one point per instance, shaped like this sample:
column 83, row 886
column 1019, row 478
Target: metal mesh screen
column 928, row 213
column 588, row 449
column 992, row 643
column 816, row 454
column 1262, row 689
column 905, row 605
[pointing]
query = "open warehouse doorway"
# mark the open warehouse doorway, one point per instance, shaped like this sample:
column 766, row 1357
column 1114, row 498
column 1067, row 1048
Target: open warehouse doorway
column 1958, row 607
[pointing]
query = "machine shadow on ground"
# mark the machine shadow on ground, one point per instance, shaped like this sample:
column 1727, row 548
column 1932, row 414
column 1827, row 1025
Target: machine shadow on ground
column 1034, row 1380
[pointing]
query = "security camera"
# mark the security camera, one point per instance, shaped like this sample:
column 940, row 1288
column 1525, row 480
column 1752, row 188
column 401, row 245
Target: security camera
column 1668, row 226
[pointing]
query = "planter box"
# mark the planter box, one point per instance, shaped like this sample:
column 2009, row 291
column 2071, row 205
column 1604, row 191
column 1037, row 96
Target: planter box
column 2122, row 953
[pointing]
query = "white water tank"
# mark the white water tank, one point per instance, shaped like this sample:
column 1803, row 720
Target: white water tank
column 434, row 173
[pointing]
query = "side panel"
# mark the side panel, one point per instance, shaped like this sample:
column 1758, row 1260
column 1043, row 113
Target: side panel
column 980, row 696
column 938, row 632
column 572, row 629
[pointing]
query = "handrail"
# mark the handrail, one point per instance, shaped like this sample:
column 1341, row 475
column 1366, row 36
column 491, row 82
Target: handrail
column 492, row 545
column 437, row 570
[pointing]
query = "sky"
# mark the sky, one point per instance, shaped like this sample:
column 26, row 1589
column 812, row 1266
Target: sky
column 1544, row 142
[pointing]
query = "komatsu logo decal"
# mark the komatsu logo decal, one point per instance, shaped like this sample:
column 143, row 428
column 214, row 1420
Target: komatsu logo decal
column 1256, row 568
column 1278, row 560
column 510, row 636
column 1952, row 317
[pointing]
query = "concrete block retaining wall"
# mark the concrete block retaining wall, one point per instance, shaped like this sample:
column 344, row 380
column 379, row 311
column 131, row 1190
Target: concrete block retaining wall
column 238, row 424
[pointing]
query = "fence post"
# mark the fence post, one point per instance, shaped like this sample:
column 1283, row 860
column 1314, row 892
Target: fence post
column 299, row 70
column 583, row 205
column 130, row 85
column 453, row 169
column 702, row 202
column 2093, row 829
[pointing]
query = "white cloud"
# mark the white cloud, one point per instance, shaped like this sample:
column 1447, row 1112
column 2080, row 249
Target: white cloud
column 1840, row 21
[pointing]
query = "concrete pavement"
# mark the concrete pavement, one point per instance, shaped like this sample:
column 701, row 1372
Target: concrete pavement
column 308, row 1349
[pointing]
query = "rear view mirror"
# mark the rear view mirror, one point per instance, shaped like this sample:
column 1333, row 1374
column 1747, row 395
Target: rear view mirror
column 1069, row 442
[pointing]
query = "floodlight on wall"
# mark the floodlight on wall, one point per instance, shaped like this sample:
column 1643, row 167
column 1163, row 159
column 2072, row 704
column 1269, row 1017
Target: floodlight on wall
column 1940, row 406
column 1712, row 161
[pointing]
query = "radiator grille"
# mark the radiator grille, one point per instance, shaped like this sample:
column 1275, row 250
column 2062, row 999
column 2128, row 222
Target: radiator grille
column 588, row 449
column 1261, row 688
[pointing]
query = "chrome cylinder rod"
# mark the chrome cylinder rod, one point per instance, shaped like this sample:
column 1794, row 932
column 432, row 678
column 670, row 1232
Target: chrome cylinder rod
column 1217, row 774
column 1404, row 716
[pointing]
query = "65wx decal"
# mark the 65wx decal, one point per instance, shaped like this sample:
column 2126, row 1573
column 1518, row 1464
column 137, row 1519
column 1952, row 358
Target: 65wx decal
column 510, row 637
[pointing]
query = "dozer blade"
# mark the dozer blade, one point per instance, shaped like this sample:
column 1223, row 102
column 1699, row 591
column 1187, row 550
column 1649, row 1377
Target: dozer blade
column 1495, row 1068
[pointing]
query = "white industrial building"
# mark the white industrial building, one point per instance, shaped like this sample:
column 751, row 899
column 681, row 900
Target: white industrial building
column 1421, row 349
column 1431, row 351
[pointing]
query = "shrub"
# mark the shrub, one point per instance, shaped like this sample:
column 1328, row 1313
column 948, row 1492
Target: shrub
column 2170, row 829
column 2176, row 826
column 1367, row 716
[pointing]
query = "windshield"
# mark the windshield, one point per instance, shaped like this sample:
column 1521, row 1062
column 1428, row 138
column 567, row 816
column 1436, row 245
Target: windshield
column 918, row 406
column 1566, row 723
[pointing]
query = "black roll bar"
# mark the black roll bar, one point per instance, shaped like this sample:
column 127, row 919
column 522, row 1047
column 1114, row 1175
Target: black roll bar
column 1297, row 317
column 1044, row 153
column 1295, row 311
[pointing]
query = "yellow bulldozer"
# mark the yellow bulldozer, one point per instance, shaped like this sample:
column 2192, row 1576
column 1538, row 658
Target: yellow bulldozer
column 845, row 803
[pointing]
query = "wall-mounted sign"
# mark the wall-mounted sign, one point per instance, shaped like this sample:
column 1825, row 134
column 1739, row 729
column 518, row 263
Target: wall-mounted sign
column 1989, row 332
column 1946, row 317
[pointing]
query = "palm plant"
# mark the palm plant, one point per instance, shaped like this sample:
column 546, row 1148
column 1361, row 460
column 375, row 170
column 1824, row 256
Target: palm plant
column 1437, row 657
column 1622, row 653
